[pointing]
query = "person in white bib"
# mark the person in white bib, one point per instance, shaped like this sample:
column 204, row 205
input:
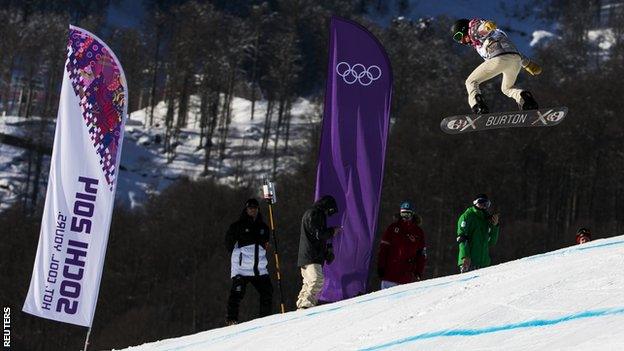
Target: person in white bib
column 247, row 240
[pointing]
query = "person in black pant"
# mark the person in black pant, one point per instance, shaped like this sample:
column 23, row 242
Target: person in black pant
column 247, row 240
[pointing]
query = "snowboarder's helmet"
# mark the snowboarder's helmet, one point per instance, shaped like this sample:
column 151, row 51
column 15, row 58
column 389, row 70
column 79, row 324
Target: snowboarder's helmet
column 459, row 29
column 407, row 206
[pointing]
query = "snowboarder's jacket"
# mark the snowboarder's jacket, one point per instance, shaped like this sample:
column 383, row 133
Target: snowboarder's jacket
column 247, row 239
column 314, row 233
column 490, row 43
column 475, row 234
column 402, row 252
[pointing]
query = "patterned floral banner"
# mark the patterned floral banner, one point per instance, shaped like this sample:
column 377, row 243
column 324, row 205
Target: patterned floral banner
column 81, row 188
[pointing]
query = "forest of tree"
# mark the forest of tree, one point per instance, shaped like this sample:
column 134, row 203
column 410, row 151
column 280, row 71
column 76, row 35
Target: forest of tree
column 167, row 270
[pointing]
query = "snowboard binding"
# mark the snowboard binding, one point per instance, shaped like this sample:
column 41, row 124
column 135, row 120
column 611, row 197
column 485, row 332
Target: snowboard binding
column 529, row 102
column 480, row 108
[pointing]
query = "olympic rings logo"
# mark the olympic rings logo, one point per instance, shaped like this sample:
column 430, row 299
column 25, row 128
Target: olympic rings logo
column 358, row 73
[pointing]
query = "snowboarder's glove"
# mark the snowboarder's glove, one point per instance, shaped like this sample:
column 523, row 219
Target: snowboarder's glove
column 494, row 219
column 329, row 257
column 533, row 68
column 489, row 26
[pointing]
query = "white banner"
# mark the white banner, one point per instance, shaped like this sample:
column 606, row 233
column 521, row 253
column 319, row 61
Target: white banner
column 81, row 188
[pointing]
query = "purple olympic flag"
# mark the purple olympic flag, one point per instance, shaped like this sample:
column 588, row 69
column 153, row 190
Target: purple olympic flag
column 352, row 151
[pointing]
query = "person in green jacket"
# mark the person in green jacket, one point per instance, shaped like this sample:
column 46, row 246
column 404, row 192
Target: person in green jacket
column 477, row 231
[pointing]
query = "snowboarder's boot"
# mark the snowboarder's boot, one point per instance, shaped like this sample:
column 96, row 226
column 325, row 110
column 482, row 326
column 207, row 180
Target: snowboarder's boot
column 480, row 107
column 529, row 102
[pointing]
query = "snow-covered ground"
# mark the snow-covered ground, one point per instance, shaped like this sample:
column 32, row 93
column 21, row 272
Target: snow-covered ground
column 13, row 160
column 570, row 299
column 145, row 169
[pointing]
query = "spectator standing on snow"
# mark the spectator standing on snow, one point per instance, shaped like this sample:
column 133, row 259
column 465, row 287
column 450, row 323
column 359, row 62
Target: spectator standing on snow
column 583, row 235
column 402, row 250
column 477, row 231
column 314, row 250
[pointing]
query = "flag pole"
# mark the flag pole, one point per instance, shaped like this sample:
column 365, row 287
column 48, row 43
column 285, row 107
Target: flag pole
column 269, row 195
column 87, row 339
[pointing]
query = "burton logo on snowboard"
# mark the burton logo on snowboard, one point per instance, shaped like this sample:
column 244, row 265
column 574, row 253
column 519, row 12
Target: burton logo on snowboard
column 534, row 118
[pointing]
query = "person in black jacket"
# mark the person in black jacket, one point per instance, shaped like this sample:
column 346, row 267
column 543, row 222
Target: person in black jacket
column 314, row 250
column 247, row 240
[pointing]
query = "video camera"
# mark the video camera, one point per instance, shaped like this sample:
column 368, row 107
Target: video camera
column 268, row 192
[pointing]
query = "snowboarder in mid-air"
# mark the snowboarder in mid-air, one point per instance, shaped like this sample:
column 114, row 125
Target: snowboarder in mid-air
column 501, row 57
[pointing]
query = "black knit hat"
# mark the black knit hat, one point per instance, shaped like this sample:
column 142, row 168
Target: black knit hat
column 252, row 203
column 328, row 203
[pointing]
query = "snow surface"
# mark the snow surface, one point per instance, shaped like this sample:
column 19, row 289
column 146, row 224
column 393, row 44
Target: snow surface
column 604, row 38
column 569, row 299
column 13, row 160
column 146, row 170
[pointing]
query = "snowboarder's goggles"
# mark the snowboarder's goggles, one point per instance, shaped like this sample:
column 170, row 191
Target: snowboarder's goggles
column 406, row 214
column 458, row 36
column 483, row 202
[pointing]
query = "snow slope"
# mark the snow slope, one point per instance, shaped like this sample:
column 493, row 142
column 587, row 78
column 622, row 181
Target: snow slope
column 570, row 299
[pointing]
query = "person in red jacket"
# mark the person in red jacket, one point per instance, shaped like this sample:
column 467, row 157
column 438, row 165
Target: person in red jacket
column 583, row 235
column 402, row 251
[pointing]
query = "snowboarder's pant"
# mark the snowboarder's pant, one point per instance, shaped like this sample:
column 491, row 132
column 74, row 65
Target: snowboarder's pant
column 312, row 284
column 508, row 65
column 262, row 284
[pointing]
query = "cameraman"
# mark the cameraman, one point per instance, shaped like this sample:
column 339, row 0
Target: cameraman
column 247, row 241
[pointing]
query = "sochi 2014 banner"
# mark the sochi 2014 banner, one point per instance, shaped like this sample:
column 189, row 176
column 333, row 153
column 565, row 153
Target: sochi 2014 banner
column 352, row 151
column 81, row 188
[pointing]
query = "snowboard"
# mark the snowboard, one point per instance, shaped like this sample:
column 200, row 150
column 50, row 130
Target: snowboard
column 546, row 117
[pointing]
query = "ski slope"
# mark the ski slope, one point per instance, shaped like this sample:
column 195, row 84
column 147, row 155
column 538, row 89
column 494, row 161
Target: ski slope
column 570, row 299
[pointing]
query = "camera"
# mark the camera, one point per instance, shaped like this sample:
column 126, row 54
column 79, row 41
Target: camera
column 268, row 191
